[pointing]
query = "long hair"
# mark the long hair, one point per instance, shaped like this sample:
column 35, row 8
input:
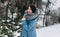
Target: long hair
column 33, row 8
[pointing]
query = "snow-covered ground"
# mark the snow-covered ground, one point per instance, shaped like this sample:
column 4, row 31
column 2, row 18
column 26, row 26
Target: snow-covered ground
column 51, row 31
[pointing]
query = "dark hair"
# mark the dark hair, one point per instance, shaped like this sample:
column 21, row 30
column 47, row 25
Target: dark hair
column 32, row 7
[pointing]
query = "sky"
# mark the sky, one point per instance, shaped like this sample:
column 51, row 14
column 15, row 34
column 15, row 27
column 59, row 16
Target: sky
column 56, row 4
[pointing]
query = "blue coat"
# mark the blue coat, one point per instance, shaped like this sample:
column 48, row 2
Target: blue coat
column 28, row 28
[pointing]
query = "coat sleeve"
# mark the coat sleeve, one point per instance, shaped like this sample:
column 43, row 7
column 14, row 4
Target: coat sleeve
column 35, row 15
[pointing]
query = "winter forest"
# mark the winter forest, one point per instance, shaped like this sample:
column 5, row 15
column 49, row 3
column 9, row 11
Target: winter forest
column 11, row 12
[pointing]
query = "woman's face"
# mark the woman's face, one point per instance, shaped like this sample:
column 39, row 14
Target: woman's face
column 29, row 10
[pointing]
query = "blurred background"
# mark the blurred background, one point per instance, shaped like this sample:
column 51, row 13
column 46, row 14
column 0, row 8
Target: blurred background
column 11, row 12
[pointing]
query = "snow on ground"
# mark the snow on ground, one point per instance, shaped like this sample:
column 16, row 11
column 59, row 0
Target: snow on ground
column 51, row 31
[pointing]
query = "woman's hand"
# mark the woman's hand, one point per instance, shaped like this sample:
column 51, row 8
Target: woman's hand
column 23, row 19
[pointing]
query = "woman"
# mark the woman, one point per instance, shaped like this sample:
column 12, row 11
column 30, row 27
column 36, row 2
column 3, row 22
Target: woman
column 29, row 21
